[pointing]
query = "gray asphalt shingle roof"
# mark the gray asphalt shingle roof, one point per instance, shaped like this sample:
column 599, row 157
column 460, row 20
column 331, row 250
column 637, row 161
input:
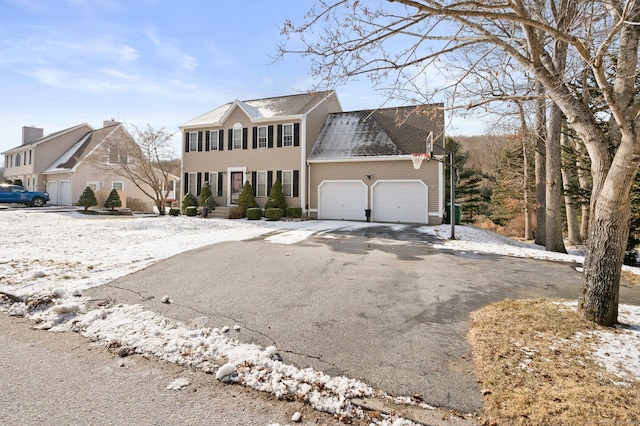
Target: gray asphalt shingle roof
column 381, row 132
column 280, row 106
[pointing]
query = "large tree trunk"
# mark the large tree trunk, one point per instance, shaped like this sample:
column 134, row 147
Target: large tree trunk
column 540, row 165
column 609, row 229
column 554, row 229
column 573, row 229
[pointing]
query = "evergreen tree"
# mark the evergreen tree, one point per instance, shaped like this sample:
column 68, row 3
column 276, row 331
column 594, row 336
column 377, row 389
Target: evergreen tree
column 634, row 232
column 246, row 200
column 276, row 198
column 87, row 198
column 189, row 200
column 113, row 200
column 470, row 195
column 206, row 196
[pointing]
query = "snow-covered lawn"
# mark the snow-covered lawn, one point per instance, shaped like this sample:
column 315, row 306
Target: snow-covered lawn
column 48, row 259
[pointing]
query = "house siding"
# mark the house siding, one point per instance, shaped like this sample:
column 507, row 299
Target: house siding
column 401, row 169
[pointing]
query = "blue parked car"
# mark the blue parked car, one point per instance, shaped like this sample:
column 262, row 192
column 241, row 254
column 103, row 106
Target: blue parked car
column 17, row 194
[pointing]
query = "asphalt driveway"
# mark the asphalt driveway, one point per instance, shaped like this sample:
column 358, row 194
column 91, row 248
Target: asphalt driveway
column 378, row 304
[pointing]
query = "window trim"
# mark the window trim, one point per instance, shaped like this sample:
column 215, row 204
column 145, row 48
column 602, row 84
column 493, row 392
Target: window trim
column 214, row 140
column 193, row 183
column 290, row 173
column 193, row 141
column 263, row 140
column 284, row 135
column 261, row 187
column 236, row 137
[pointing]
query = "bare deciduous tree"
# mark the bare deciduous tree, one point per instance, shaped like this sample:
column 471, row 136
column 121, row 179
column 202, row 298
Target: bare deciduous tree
column 146, row 160
column 405, row 39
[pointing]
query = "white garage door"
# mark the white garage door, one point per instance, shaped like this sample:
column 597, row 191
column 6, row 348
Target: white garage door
column 342, row 200
column 64, row 193
column 52, row 190
column 400, row 201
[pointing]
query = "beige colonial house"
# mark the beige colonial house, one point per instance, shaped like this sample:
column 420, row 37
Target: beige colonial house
column 64, row 163
column 332, row 164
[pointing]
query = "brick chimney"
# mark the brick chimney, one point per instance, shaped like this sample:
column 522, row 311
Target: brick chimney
column 111, row 122
column 31, row 133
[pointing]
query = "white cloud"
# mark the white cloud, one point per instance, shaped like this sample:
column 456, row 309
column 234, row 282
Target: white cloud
column 168, row 50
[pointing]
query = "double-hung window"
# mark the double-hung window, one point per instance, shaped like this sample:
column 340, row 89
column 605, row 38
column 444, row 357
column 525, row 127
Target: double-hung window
column 262, row 137
column 237, row 138
column 213, row 140
column 287, row 135
column 193, row 141
column 261, row 185
column 193, row 183
column 117, row 185
column 287, row 183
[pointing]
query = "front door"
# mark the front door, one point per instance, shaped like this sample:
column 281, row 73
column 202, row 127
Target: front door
column 236, row 186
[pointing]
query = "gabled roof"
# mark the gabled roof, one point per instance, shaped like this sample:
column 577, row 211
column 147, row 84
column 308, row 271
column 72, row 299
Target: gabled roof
column 50, row 137
column 376, row 133
column 74, row 155
column 260, row 109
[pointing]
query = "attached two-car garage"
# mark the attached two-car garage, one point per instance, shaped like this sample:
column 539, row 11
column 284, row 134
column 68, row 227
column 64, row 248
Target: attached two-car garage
column 402, row 201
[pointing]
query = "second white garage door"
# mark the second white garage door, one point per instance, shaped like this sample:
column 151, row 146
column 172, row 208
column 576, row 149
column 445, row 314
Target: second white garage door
column 403, row 201
column 342, row 200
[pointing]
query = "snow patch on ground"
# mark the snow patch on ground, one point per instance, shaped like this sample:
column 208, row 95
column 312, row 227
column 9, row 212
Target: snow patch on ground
column 44, row 271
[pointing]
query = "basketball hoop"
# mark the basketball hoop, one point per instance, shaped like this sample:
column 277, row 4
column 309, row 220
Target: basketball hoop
column 417, row 159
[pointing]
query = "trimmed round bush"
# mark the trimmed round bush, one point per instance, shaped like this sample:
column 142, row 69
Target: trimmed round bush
column 273, row 214
column 191, row 211
column 174, row 212
column 295, row 212
column 254, row 213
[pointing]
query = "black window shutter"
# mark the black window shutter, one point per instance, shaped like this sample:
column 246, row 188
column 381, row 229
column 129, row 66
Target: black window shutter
column 186, row 141
column 206, row 141
column 279, row 139
column 296, row 182
column 206, row 177
column 198, row 183
column 245, row 137
column 221, row 141
column 296, row 134
column 279, row 176
column 255, row 137
column 230, row 139
column 269, row 182
column 199, row 141
column 186, row 183
column 220, row 185
column 254, row 182
column 270, row 136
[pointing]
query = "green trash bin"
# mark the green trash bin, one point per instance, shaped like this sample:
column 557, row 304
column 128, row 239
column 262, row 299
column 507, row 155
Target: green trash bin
column 447, row 212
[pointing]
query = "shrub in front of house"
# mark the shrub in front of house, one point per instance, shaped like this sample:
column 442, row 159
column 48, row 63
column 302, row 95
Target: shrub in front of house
column 273, row 214
column 235, row 212
column 137, row 205
column 276, row 198
column 246, row 200
column 189, row 200
column 206, row 197
column 294, row 212
column 113, row 200
column 174, row 212
column 254, row 213
column 87, row 199
column 191, row 211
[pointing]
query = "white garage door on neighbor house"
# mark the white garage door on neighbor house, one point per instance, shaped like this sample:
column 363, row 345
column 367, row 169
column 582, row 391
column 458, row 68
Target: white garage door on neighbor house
column 404, row 201
column 342, row 200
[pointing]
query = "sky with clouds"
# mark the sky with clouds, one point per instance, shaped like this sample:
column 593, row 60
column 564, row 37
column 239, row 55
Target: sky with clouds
column 66, row 62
